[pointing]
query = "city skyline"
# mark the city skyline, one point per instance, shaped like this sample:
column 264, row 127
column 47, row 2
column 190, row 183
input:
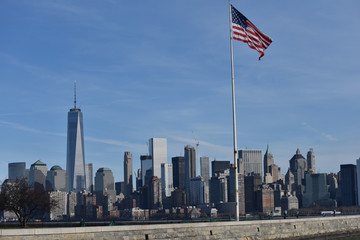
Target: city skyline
column 139, row 81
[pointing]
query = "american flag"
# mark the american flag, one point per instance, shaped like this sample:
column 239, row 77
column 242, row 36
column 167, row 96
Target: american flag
column 246, row 31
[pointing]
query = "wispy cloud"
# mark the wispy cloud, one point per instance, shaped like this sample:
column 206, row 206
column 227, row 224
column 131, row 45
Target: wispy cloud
column 90, row 139
column 115, row 143
column 40, row 72
column 28, row 129
column 222, row 150
column 90, row 16
column 322, row 134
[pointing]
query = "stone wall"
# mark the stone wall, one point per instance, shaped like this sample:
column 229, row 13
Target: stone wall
column 266, row 229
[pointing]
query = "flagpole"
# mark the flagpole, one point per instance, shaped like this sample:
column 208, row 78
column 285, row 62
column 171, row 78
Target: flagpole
column 234, row 120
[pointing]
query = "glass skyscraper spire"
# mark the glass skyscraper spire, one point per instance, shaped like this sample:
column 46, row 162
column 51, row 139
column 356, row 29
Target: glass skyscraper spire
column 75, row 159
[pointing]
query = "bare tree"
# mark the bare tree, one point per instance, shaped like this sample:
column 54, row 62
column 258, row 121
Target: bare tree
column 24, row 200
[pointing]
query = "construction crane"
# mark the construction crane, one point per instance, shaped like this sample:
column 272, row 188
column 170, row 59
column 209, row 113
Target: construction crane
column 197, row 143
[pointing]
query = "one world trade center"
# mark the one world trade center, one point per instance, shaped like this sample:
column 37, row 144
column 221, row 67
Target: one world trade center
column 75, row 159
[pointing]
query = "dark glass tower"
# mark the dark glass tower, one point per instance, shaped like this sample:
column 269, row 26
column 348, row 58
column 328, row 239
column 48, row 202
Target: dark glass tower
column 190, row 169
column 75, row 159
column 178, row 172
column 348, row 185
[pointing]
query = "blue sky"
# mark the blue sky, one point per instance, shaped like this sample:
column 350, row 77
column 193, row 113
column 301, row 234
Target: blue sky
column 162, row 69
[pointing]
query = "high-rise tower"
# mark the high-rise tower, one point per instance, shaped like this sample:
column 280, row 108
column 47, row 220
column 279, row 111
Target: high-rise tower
column 268, row 161
column 75, row 159
column 158, row 153
column 311, row 160
column 128, row 177
column 190, row 169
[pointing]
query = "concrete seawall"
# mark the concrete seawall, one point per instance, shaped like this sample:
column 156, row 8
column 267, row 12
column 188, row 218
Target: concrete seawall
column 266, row 229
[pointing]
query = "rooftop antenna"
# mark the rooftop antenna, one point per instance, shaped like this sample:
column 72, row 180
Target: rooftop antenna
column 75, row 94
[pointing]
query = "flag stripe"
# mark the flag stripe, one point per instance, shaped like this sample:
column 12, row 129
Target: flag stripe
column 246, row 31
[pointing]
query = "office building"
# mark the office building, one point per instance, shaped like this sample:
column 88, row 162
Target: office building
column 298, row 166
column 178, row 198
column 60, row 211
column 265, row 199
column 310, row 158
column 56, row 179
column 332, row 182
column 205, row 168
column 37, row 176
column 197, row 191
column 167, row 179
column 104, row 180
column 250, row 161
column 89, row 177
column 104, row 186
column 241, row 189
column 71, row 204
column 158, row 153
column 16, row 170
column 268, row 161
column 219, row 167
column 155, row 193
column 251, row 184
column 348, row 185
column 316, row 189
column 119, row 188
column 75, row 159
column 290, row 186
column 272, row 172
column 289, row 202
column 190, row 169
column 219, row 188
column 178, row 172
column 138, row 180
column 128, row 177
column 146, row 169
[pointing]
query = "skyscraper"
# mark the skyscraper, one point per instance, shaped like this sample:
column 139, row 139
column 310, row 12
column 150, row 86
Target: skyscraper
column 167, row 179
column 311, row 160
column 178, row 172
column 128, row 177
column 158, row 153
column 16, row 170
column 104, row 180
column 268, row 161
column 155, row 193
column 75, row 159
column 197, row 190
column 204, row 168
column 272, row 172
column 37, row 176
column 104, row 186
column 190, row 169
column 56, row 179
column 219, row 167
column 298, row 167
column 250, row 161
column 348, row 185
column 316, row 189
column 146, row 169
column 89, row 177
